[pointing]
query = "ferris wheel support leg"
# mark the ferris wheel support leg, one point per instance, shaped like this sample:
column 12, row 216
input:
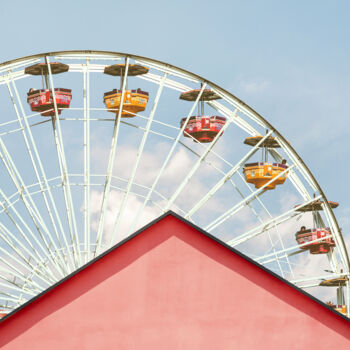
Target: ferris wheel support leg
column 175, row 142
column 64, row 171
column 139, row 155
column 111, row 163
column 25, row 130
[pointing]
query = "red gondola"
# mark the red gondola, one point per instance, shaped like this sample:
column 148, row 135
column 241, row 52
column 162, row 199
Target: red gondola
column 203, row 128
column 322, row 246
column 41, row 100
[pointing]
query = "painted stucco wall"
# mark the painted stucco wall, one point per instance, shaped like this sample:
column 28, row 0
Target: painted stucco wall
column 171, row 287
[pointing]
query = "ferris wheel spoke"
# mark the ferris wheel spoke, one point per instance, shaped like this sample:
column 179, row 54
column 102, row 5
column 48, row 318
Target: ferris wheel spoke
column 29, row 204
column 293, row 248
column 169, row 83
column 293, row 176
column 87, row 232
column 175, row 142
column 20, row 276
column 274, row 222
column 230, row 212
column 21, row 64
column 337, row 238
column 139, row 155
column 236, row 119
column 167, row 70
column 297, row 161
column 347, row 298
column 7, row 209
column 8, row 238
column 7, row 309
column 188, row 216
column 7, row 234
column 15, row 298
column 18, row 288
column 43, row 233
column 281, row 256
column 241, row 106
column 65, row 183
column 22, row 264
column 319, row 278
column 275, row 226
column 32, row 151
column 198, row 163
column 223, row 173
column 25, row 263
column 64, row 172
column 10, row 299
column 111, row 163
column 227, row 176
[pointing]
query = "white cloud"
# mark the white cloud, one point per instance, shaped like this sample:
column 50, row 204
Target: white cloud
column 115, row 199
column 255, row 87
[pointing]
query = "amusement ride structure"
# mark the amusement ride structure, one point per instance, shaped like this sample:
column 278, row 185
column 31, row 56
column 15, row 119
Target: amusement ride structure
column 86, row 160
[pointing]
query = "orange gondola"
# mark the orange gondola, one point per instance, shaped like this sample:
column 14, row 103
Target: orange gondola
column 260, row 173
column 134, row 101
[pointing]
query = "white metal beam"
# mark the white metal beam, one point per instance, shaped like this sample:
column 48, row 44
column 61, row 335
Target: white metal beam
column 111, row 163
column 138, row 158
column 165, row 163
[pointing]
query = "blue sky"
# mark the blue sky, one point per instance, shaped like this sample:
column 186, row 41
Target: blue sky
column 289, row 60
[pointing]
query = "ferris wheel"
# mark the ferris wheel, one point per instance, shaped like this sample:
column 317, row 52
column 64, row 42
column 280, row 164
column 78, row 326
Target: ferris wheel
column 94, row 145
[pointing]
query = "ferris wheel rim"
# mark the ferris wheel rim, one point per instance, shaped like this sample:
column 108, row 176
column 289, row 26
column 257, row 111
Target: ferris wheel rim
column 164, row 65
column 199, row 77
column 214, row 85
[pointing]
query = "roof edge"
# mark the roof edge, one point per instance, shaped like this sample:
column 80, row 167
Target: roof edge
column 182, row 219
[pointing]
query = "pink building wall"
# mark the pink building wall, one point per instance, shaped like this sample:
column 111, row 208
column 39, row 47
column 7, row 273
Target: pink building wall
column 172, row 287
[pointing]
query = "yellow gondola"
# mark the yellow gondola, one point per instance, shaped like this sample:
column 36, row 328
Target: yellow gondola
column 135, row 101
column 260, row 174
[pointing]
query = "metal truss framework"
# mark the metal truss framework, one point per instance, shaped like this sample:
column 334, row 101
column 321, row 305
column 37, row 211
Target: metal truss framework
column 43, row 234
